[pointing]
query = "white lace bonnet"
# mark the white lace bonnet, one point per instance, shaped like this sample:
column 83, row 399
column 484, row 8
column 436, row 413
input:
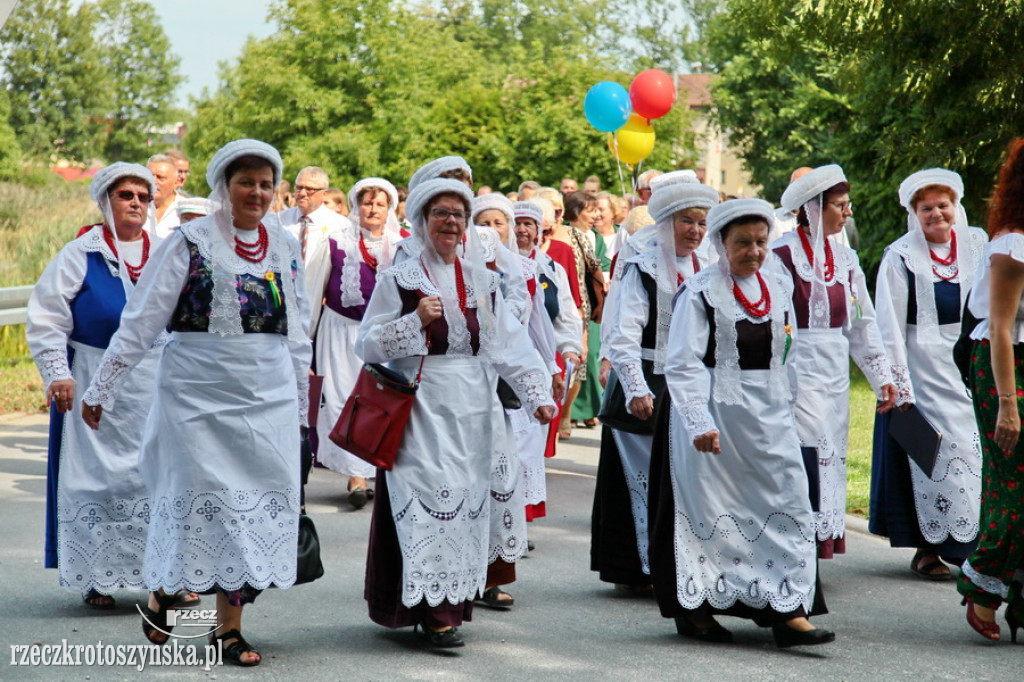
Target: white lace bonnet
column 498, row 202
column 225, row 313
column 434, row 169
column 719, row 289
column 919, row 262
column 671, row 193
column 351, row 289
column 106, row 178
column 419, row 198
column 808, row 192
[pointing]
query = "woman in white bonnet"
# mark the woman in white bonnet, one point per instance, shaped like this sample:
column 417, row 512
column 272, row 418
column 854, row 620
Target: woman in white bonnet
column 731, row 519
column 923, row 282
column 837, row 321
column 220, row 455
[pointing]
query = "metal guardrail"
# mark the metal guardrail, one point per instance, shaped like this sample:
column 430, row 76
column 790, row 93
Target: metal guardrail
column 14, row 304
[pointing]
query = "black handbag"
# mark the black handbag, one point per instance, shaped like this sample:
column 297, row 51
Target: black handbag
column 613, row 411
column 964, row 345
column 309, row 567
column 509, row 399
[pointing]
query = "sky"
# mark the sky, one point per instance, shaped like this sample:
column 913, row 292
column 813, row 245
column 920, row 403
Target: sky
column 206, row 32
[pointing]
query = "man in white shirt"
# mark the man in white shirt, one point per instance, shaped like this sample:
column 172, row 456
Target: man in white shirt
column 309, row 220
column 163, row 218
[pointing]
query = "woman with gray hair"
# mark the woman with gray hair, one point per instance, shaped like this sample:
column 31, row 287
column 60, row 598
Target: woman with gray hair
column 637, row 328
column 97, row 507
column 342, row 275
column 443, row 315
column 220, row 454
column 732, row 530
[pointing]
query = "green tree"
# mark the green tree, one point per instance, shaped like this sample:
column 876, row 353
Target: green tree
column 88, row 82
column 51, row 72
column 141, row 72
column 884, row 89
column 382, row 95
column 10, row 151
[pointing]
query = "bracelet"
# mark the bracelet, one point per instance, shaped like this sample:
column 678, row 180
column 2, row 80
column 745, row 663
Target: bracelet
column 1006, row 395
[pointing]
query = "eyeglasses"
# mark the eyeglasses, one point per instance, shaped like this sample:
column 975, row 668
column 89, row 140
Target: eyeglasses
column 128, row 195
column 444, row 214
column 311, row 190
column 842, row 205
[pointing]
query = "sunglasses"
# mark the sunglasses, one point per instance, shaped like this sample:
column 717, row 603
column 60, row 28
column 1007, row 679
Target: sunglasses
column 128, row 195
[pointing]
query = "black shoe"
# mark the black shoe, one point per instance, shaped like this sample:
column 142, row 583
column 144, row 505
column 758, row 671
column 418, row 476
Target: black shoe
column 530, row 546
column 357, row 497
column 442, row 639
column 786, row 636
column 712, row 633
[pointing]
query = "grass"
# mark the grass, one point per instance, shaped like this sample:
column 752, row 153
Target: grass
column 36, row 220
column 858, row 452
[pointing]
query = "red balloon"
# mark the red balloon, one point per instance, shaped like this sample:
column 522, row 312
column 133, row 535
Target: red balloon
column 653, row 92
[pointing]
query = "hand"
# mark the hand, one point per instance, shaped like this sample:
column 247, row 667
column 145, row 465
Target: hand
column 63, row 392
column 544, row 414
column 1007, row 424
column 429, row 309
column 557, row 387
column 708, row 443
column 905, row 406
column 586, row 339
column 574, row 358
column 889, row 394
column 642, row 407
column 91, row 415
column 606, row 367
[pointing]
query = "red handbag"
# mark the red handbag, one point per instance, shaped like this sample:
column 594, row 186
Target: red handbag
column 372, row 423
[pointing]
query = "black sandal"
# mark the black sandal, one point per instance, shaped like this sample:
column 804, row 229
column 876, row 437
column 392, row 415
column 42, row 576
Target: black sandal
column 926, row 570
column 491, row 598
column 441, row 639
column 156, row 621
column 233, row 652
column 182, row 598
column 95, row 600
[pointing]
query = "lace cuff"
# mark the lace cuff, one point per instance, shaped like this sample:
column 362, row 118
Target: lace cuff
column 53, row 365
column 404, row 337
column 533, row 389
column 904, row 389
column 302, row 383
column 631, row 376
column 105, row 384
column 553, row 368
column 696, row 418
column 876, row 370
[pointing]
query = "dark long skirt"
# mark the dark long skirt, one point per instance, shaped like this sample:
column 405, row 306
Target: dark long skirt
column 892, row 498
column 987, row 573
column 613, row 548
column 383, row 587
column 661, row 515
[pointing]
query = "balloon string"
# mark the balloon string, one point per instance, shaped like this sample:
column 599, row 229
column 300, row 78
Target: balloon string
column 622, row 182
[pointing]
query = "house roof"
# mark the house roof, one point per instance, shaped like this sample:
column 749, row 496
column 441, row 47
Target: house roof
column 696, row 87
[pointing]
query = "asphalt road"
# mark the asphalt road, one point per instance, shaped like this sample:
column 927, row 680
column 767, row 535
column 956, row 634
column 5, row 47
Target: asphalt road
column 566, row 624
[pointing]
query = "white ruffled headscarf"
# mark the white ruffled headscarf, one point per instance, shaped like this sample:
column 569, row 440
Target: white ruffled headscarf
column 671, row 193
column 808, row 192
column 727, row 387
column 920, row 263
column 497, row 201
column 106, row 178
column 351, row 291
column 434, row 169
column 225, row 309
column 475, row 271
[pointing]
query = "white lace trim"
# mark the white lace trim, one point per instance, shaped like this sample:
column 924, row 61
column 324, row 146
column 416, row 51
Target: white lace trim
column 107, row 381
column 508, row 510
column 53, row 365
column 93, row 241
column 904, row 388
column 987, row 583
column 697, row 418
column 101, row 545
column 351, row 275
column 224, row 537
column 404, row 337
column 302, row 385
column 876, row 368
column 631, row 376
column 533, row 388
column 412, row 277
column 844, row 257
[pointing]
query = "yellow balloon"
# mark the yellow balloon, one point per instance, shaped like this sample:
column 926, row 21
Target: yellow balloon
column 633, row 142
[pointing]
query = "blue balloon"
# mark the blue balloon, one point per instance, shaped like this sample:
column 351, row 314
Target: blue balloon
column 607, row 106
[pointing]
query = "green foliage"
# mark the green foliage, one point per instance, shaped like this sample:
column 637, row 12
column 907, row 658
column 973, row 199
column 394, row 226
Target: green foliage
column 883, row 89
column 10, row 151
column 500, row 84
column 87, row 82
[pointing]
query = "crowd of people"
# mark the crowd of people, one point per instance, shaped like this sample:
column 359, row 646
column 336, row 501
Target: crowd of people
column 709, row 337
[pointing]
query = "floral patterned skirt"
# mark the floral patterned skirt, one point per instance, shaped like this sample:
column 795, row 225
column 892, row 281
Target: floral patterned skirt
column 985, row 576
